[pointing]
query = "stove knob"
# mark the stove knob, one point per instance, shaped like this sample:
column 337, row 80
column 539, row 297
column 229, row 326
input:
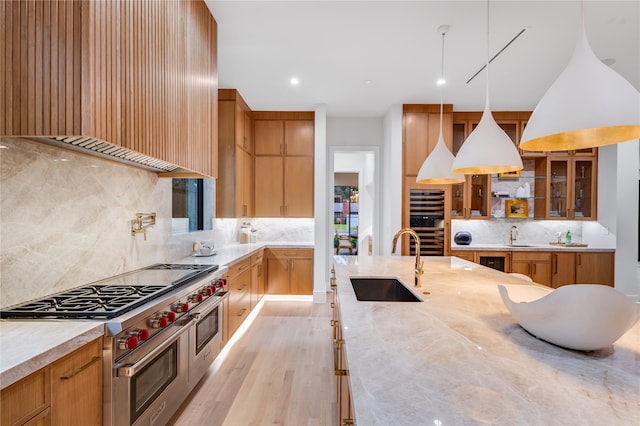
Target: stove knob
column 160, row 322
column 143, row 334
column 171, row 316
column 222, row 282
column 196, row 298
column 180, row 307
column 210, row 290
column 130, row 342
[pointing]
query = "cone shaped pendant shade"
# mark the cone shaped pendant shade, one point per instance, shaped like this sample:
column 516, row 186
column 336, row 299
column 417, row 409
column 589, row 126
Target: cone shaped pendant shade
column 436, row 168
column 487, row 149
column 588, row 105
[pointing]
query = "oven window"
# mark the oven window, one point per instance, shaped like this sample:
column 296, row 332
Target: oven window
column 206, row 329
column 149, row 383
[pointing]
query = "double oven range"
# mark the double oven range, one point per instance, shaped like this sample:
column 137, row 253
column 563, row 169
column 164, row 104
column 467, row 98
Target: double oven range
column 163, row 329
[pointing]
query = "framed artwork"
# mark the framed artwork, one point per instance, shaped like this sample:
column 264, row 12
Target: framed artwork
column 516, row 208
column 509, row 175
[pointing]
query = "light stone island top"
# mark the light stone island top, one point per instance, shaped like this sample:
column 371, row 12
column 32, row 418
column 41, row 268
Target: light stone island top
column 459, row 358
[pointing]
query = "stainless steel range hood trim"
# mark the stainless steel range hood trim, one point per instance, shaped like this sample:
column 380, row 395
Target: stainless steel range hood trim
column 109, row 151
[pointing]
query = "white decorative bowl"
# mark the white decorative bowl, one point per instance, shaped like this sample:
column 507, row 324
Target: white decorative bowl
column 584, row 317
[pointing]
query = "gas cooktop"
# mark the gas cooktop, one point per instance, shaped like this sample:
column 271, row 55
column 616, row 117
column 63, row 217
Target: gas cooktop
column 113, row 296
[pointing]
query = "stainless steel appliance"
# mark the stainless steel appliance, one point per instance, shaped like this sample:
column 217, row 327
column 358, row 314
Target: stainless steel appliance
column 426, row 210
column 163, row 329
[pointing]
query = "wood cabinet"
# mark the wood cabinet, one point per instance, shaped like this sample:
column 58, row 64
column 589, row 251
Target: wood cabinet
column 535, row 264
column 284, row 164
column 595, row 268
column 571, row 187
column 289, row 271
column 257, row 278
column 60, row 393
column 234, row 188
column 464, row 254
column 91, row 69
column 563, row 268
column 420, row 130
column 239, row 286
column 471, row 199
column 27, row 401
column 76, row 386
column 341, row 369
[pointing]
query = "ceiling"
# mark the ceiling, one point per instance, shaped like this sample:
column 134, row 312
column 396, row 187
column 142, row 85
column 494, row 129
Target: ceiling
column 360, row 57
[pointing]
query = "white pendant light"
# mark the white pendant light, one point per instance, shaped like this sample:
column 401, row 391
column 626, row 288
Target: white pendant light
column 436, row 168
column 487, row 149
column 588, row 105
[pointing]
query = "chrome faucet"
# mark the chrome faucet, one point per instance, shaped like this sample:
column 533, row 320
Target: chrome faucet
column 513, row 233
column 419, row 270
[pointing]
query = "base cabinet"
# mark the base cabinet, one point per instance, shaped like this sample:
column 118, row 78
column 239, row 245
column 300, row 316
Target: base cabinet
column 290, row 271
column 552, row 268
column 61, row 393
column 535, row 264
column 595, row 268
column 257, row 278
column 239, row 286
column 341, row 371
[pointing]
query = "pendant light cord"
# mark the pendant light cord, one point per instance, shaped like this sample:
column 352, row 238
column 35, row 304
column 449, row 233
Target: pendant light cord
column 487, row 80
column 443, row 81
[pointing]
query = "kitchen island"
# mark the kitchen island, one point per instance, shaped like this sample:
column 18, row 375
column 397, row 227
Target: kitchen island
column 459, row 357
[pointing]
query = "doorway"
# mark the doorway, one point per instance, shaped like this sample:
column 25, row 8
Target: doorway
column 345, row 213
column 354, row 180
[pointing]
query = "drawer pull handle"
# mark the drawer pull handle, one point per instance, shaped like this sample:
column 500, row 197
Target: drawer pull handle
column 81, row 369
column 242, row 311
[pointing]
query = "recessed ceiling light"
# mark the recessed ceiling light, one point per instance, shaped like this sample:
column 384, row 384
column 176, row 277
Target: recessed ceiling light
column 367, row 82
column 294, row 81
column 441, row 81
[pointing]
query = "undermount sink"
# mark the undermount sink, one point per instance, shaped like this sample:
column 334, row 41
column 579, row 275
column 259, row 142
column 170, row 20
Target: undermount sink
column 382, row 290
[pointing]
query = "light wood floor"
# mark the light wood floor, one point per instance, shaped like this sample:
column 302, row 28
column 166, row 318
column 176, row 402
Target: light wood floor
column 279, row 373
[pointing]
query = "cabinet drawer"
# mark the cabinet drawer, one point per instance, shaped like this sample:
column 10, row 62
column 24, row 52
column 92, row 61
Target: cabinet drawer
column 542, row 256
column 463, row 254
column 26, row 398
column 306, row 253
column 257, row 258
column 239, row 267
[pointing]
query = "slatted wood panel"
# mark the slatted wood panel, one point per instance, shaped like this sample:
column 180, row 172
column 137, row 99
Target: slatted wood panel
column 140, row 74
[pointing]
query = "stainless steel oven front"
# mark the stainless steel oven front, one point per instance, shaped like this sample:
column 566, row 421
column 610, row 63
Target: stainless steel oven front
column 149, row 387
column 205, row 337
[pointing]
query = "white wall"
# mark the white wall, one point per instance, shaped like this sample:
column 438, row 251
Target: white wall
column 391, row 178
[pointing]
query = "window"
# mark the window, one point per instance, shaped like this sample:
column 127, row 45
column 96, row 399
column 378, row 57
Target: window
column 192, row 205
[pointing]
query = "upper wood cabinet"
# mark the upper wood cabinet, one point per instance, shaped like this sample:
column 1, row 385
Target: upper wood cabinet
column 284, row 164
column 421, row 127
column 234, row 189
column 138, row 74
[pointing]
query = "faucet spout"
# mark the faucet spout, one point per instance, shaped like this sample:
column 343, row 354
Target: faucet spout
column 513, row 233
column 419, row 270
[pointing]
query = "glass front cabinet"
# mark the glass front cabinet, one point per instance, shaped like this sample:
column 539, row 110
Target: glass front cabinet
column 571, row 188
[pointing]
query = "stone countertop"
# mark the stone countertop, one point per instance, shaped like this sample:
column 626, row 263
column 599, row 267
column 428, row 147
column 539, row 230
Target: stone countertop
column 460, row 358
column 28, row 345
column 528, row 247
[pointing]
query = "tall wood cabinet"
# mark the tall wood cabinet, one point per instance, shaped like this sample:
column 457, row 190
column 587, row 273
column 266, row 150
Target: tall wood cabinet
column 234, row 188
column 91, row 68
column 284, row 164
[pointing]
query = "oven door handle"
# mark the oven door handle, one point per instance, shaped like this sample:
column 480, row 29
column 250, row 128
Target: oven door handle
column 210, row 308
column 130, row 370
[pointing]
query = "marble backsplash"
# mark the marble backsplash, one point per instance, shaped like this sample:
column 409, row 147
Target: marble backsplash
column 65, row 221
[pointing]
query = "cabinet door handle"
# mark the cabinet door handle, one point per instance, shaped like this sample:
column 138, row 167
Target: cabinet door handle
column 534, row 269
column 81, row 369
column 242, row 311
column 555, row 263
column 579, row 259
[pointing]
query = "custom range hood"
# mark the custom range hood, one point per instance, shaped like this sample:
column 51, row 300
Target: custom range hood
column 109, row 151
